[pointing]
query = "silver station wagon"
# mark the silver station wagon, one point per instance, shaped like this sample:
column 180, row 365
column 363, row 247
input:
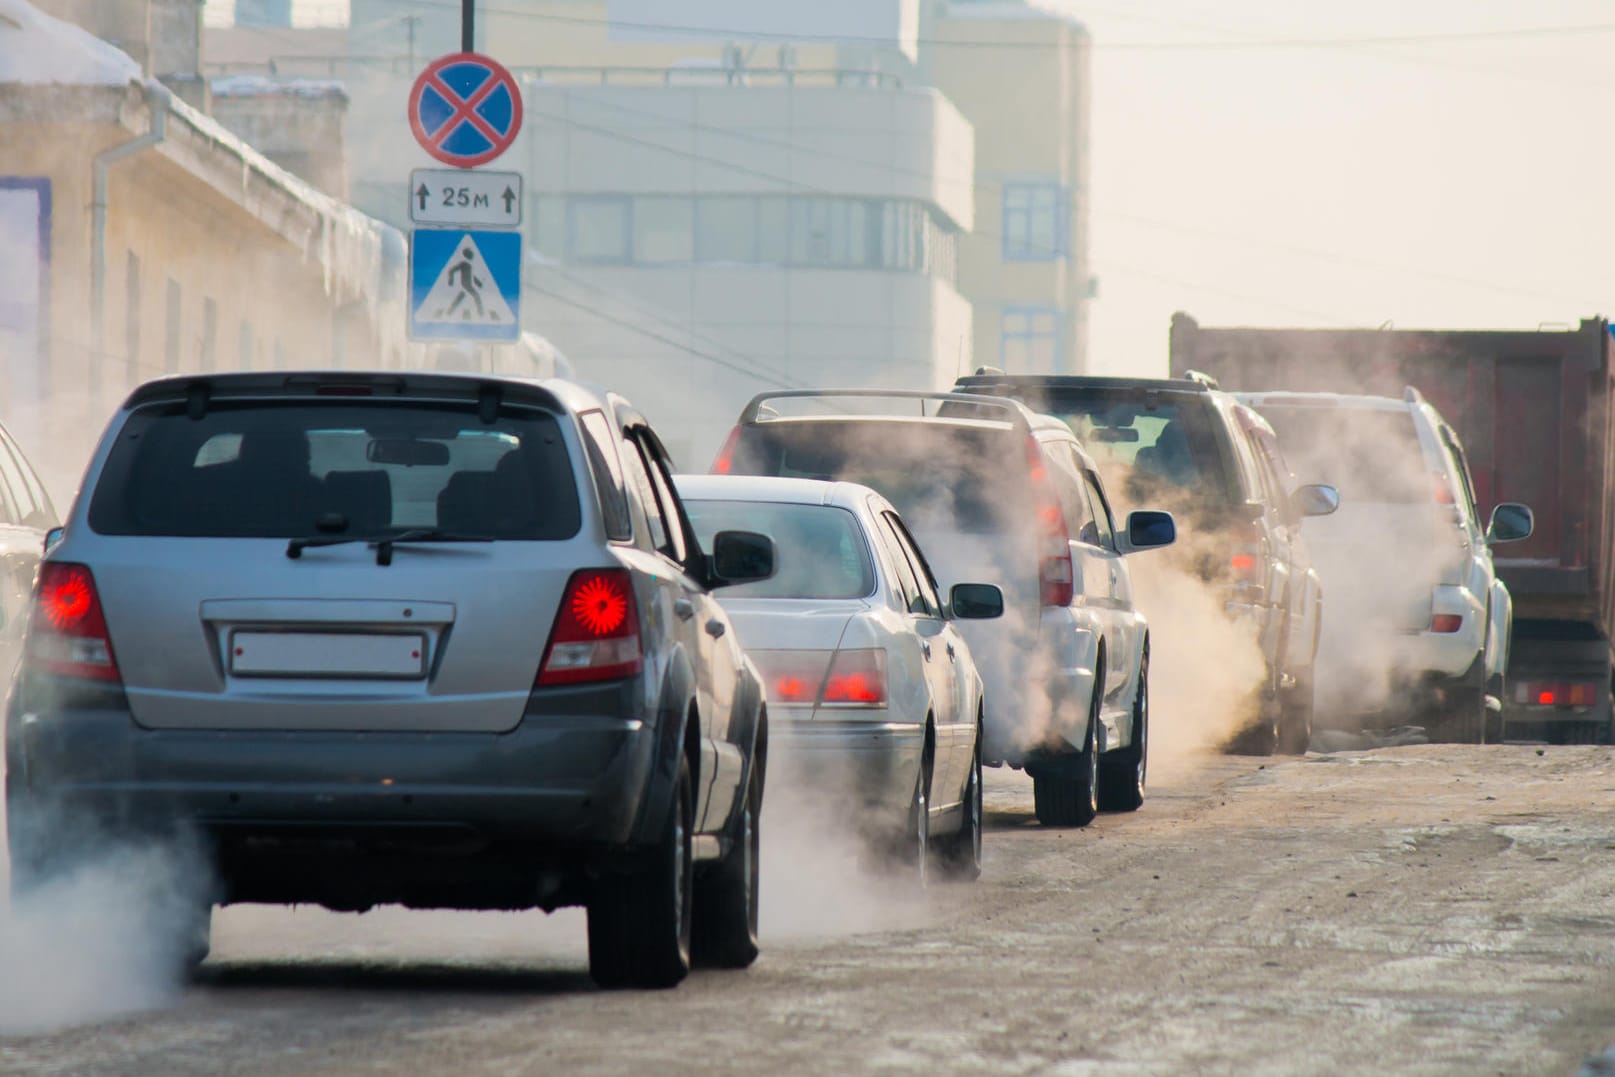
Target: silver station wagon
column 438, row 640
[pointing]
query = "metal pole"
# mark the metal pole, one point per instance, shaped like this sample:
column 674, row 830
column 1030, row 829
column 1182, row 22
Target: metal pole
column 468, row 24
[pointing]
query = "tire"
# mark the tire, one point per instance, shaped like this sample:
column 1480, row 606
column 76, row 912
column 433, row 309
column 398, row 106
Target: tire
column 640, row 923
column 1463, row 720
column 959, row 854
column 1262, row 736
column 1295, row 718
column 914, row 847
column 1122, row 773
column 725, row 917
column 1064, row 799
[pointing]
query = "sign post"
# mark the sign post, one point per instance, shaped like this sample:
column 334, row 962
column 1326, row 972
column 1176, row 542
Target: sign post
column 465, row 110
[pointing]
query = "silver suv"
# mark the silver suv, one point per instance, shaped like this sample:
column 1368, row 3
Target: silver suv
column 429, row 639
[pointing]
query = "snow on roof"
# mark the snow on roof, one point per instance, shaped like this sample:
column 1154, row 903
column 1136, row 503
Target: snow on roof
column 1010, row 10
column 36, row 48
column 263, row 85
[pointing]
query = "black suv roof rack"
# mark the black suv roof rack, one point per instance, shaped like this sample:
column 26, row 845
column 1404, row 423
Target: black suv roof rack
column 1014, row 411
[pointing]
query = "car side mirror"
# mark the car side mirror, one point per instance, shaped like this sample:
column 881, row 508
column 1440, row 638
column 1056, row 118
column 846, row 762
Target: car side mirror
column 975, row 602
column 52, row 537
column 1148, row 529
column 1511, row 522
column 1315, row 499
column 741, row 557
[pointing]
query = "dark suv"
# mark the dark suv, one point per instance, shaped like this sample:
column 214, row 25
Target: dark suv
column 1183, row 445
column 437, row 640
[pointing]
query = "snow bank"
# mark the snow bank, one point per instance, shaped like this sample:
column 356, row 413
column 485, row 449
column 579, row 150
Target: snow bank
column 262, row 85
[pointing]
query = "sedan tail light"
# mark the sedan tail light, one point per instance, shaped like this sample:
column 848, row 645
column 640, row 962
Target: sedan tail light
column 850, row 678
column 596, row 633
column 67, row 630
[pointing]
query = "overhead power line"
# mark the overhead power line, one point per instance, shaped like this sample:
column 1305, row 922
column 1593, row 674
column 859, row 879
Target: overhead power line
column 1449, row 37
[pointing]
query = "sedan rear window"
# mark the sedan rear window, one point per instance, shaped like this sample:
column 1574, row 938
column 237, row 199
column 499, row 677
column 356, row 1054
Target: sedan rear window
column 820, row 549
column 291, row 470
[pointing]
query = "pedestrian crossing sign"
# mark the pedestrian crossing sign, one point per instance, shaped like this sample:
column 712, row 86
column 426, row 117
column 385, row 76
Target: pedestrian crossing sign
column 464, row 285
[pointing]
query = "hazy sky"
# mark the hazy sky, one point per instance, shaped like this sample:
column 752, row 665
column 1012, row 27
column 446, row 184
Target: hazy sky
column 1460, row 180
column 1465, row 183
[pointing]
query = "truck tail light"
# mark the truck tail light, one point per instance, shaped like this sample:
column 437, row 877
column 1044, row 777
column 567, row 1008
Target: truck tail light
column 1056, row 575
column 67, row 630
column 1557, row 693
column 850, row 678
column 596, row 632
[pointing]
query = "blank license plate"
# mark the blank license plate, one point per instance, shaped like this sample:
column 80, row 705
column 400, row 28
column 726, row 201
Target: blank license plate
column 326, row 654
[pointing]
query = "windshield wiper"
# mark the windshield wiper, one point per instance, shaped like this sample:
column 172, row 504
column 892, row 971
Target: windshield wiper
column 383, row 543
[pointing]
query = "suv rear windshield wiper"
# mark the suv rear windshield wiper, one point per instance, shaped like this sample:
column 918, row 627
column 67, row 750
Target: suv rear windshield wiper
column 383, row 543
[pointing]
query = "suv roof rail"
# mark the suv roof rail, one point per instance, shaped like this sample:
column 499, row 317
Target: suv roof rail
column 1412, row 395
column 1014, row 411
column 1202, row 378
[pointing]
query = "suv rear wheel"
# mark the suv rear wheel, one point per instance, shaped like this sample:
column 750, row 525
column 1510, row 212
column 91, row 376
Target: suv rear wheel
column 639, row 923
column 1062, row 798
column 724, row 932
column 1295, row 717
column 1122, row 772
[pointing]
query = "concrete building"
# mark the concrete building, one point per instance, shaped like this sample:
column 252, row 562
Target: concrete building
column 1020, row 72
column 298, row 123
column 138, row 237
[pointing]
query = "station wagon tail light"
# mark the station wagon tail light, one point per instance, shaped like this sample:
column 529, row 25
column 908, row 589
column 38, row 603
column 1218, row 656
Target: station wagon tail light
column 850, row 678
column 596, row 633
column 726, row 455
column 1056, row 575
column 67, row 631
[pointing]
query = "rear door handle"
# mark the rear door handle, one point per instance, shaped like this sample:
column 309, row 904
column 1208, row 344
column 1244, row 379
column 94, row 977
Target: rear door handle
column 715, row 628
column 684, row 608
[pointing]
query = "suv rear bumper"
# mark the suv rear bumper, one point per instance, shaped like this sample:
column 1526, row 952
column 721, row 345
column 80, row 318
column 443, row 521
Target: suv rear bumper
column 566, row 787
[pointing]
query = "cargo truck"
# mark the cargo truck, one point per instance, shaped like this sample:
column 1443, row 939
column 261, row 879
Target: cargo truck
column 1533, row 411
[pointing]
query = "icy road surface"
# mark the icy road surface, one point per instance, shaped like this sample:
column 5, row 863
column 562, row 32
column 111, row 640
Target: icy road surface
column 1430, row 909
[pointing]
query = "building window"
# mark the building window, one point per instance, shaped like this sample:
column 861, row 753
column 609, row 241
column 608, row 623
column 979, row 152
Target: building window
column 1036, row 222
column 171, row 322
column 726, row 229
column 131, row 316
column 664, row 230
column 1029, row 340
column 210, row 333
column 600, row 229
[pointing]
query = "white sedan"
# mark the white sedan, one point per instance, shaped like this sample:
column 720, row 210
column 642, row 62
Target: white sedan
column 868, row 680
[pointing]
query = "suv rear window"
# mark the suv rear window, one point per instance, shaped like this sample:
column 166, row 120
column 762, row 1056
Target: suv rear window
column 1145, row 443
column 290, row 470
column 941, row 475
column 1368, row 454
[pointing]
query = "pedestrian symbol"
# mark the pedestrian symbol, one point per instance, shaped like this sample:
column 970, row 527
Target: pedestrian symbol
column 465, row 285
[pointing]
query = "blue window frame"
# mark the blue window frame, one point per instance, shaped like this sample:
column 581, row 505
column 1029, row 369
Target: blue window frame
column 1030, row 340
column 1036, row 221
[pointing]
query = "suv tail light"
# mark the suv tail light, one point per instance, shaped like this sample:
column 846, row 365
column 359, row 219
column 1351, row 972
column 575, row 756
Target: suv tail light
column 1245, row 564
column 1446, row 622
column 67, row 631
column 850, row 678
column 596, row 633
column 1055, row 573
column 726, row 455
column 1443, row 489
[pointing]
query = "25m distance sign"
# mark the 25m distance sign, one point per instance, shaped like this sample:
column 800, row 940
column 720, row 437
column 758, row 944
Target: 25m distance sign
column 465, row 198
